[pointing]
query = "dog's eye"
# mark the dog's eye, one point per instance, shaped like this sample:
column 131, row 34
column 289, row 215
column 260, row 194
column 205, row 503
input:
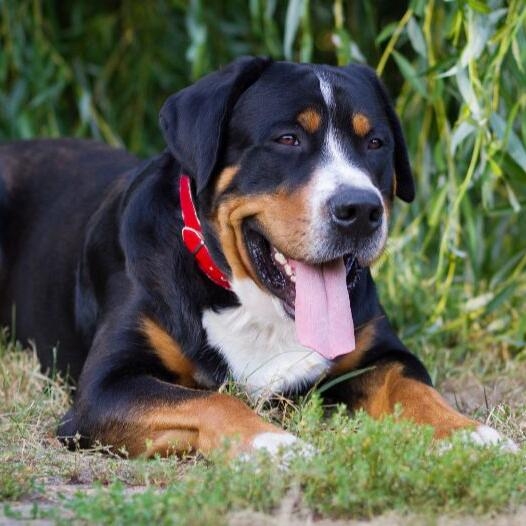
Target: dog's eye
column 375, row 143
column 288, row 140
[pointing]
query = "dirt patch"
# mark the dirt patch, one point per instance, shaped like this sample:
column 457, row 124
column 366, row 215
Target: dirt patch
column 287, row 516
column 247, row 518
column 470, row 394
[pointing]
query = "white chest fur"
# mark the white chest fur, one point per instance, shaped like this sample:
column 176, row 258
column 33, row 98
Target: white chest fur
column 258, row 341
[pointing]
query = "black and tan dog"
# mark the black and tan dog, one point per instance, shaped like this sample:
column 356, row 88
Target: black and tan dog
column 292, row 169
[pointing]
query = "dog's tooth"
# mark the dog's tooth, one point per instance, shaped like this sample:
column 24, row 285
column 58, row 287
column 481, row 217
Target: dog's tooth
column 293, row 278
column 280, row 258
column 288, row 270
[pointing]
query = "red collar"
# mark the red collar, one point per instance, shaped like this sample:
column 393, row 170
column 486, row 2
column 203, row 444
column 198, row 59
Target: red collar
column 193, row 235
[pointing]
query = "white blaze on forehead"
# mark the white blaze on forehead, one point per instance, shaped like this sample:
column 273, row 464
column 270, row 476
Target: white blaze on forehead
column 326, row 91
column 337, row 168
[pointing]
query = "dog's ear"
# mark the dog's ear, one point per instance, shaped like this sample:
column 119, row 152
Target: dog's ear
column 194, row 120
column 405, row 184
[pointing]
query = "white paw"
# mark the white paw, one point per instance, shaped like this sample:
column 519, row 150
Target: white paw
column 283, row 447
column 487, row 436
column 273, row 443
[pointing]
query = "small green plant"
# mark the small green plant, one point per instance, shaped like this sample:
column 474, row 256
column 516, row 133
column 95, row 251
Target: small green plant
column 16, row 480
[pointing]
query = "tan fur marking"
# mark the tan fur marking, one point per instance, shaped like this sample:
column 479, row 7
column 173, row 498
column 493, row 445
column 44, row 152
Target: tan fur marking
column 387, row 387
column 169, row 353
column 164, row 443
column 310, row 119
column 231, row 237
column 225, row 178
column 282, row 216
column 361, row 124
column 202, row 424
column 348, row 362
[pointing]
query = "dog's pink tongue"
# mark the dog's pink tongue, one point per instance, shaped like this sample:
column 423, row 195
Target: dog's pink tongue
column 323, row 311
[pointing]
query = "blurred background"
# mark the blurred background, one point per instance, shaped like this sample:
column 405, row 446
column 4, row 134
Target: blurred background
column 454, row 276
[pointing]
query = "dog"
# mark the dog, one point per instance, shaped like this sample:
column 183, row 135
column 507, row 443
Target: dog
column 242, row 252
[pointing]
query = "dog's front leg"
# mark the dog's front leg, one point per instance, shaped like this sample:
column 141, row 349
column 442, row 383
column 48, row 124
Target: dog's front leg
column 402, row 382
column 145, row 416
column 138, row 392
column 388, row 385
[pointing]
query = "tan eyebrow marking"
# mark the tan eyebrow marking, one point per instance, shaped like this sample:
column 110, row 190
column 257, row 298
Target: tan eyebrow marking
column 361, row 124
column 310, row 119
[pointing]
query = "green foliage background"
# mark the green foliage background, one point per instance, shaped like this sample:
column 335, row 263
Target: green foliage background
column 454, row 273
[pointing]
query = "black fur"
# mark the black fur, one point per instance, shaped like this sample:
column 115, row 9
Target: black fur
column 3, row 225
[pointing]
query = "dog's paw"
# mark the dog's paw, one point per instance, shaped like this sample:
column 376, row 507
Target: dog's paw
column 487, row 436
column 273, row 443
column 283, row 447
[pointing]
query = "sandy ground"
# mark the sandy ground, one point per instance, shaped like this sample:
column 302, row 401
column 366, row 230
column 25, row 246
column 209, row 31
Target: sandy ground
column 287, row 515
column 469, row 394
column 390, row 519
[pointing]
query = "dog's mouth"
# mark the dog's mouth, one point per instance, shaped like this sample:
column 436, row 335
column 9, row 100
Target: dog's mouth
column 314, row 294
column 277, row 272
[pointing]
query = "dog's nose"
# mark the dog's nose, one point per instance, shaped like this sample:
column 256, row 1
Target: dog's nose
column 357, row 209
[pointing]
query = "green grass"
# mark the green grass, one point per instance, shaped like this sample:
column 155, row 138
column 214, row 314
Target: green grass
column 361, row 468
column 362, row 472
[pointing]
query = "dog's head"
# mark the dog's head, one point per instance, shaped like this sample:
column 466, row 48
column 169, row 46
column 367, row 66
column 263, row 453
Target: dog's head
column 293, row 164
